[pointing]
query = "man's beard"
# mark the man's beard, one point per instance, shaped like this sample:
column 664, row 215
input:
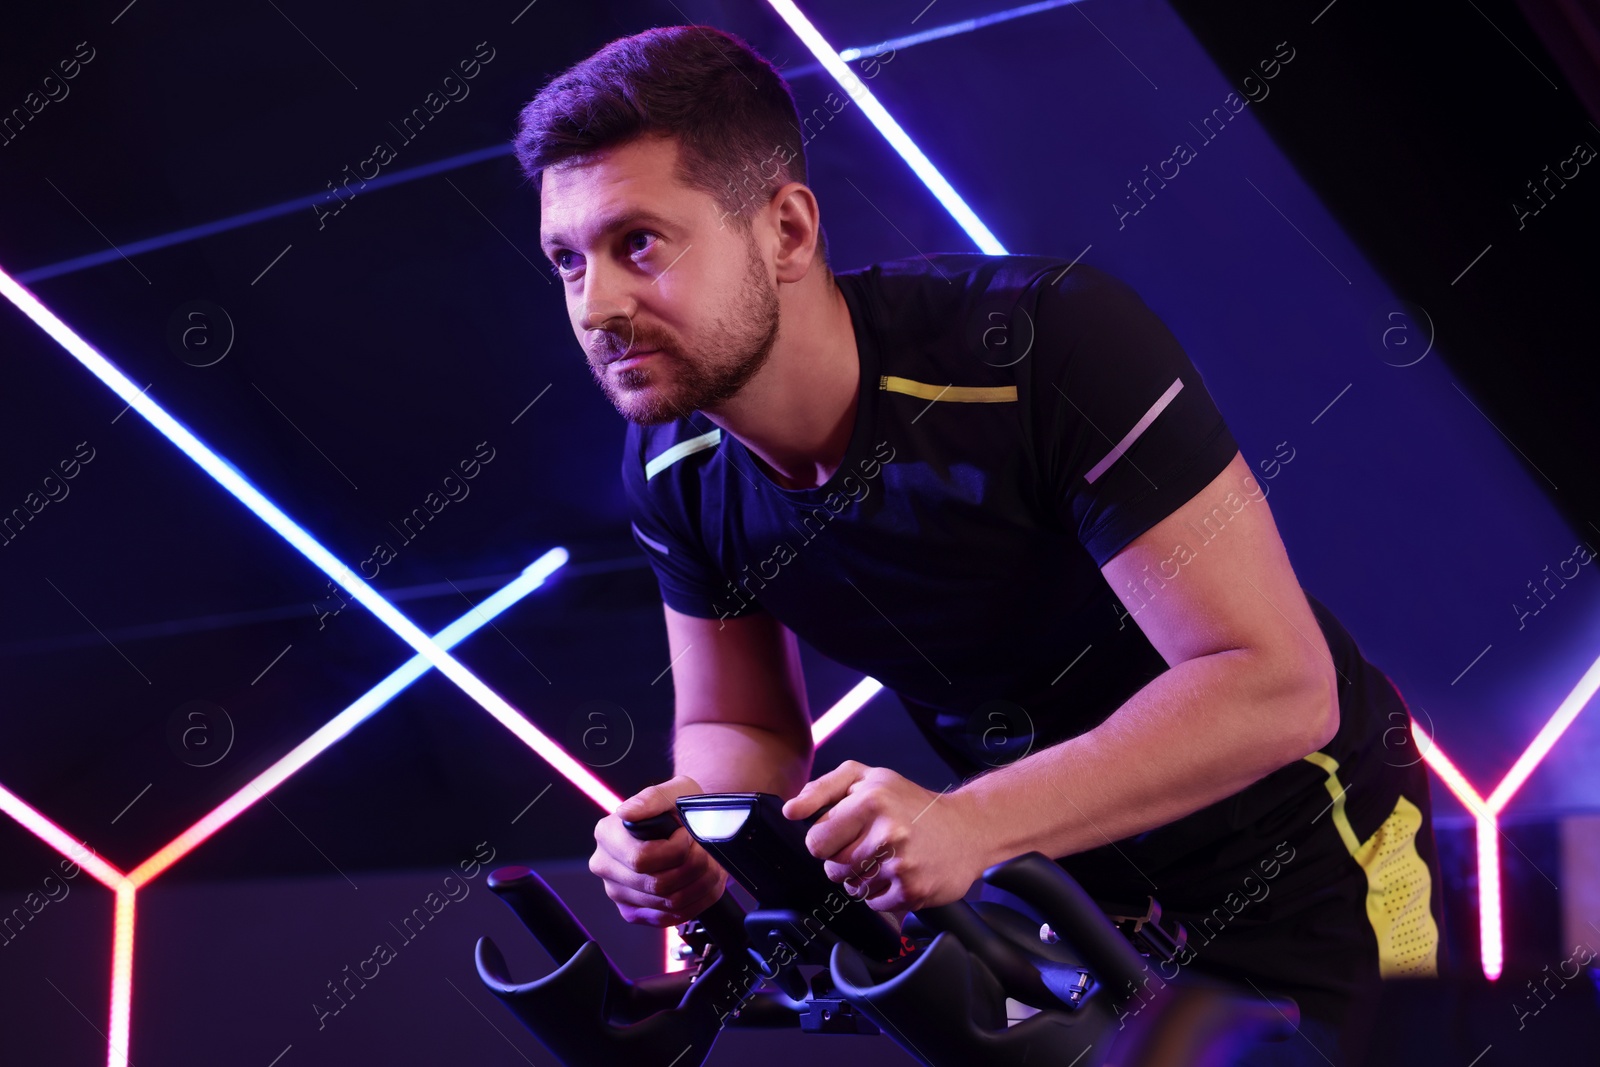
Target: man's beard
column 680, row 384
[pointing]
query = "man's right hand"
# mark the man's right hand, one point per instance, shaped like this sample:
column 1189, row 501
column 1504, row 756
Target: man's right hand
column 657, row 883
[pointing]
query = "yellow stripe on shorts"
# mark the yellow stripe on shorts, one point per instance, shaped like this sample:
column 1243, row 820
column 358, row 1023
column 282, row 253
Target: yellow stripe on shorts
column 1399, row 883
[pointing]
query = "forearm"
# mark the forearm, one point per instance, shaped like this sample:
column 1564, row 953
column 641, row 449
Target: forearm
column 1197, row 733
column 733, row 757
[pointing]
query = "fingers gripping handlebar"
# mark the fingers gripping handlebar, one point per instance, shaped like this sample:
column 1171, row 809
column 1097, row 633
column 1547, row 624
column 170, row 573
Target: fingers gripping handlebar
column 724, row 920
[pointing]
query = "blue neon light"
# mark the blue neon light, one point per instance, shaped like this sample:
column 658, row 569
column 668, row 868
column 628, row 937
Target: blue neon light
column 898, row 139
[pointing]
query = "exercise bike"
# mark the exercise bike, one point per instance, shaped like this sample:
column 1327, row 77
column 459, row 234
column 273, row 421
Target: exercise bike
column 957, row 985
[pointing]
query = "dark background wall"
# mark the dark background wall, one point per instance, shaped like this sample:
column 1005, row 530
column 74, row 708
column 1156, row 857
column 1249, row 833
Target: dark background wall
column 1306, row 257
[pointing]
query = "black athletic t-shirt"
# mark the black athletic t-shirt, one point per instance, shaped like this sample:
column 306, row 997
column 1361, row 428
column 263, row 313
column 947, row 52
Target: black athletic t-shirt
column 1018, row 424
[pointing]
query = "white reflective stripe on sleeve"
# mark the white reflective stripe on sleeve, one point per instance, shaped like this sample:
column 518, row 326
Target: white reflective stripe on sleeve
column 679, row 450
column 1138, row 428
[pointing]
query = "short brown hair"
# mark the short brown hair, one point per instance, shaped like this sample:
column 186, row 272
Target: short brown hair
column 731, row 112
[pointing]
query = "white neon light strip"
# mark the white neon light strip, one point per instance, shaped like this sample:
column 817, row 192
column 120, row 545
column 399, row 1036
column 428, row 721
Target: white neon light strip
column 951, row 29
column 1546, row 738
column 847, row 706
column 942, row 190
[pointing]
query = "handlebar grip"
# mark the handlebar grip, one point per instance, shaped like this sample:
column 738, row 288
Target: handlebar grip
column 723, row 920
column 541, row 911
column 655, row 828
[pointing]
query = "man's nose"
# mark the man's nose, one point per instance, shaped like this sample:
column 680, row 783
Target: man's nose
column 607, row 299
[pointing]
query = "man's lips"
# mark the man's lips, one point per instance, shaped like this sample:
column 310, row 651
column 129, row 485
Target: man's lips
column 624, row 357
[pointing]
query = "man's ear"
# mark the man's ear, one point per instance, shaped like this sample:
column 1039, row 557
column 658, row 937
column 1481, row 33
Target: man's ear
column 798, row 222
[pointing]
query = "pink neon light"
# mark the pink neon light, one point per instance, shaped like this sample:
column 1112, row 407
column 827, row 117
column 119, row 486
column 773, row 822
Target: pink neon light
column 1490, row 947
column 122, row 936
column 1452, row 777
column 847, row 706
column 59, row 839
column 1486, row 813
column 558, row 758
column 121, row 979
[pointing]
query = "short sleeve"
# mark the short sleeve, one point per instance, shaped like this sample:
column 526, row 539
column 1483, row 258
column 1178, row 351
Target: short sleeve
column 1125, row 429
column 661, row 516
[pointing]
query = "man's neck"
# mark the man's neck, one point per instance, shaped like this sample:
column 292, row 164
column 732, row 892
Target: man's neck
column 796, row 416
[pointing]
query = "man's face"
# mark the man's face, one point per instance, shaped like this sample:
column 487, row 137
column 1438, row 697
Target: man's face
column 674, row 305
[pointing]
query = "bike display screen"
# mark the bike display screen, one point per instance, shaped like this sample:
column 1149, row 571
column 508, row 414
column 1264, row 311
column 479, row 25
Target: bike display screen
column 766, row 853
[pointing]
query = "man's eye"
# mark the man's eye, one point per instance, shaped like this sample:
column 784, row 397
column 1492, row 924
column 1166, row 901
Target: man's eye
column 640, row 241
column 560, row 261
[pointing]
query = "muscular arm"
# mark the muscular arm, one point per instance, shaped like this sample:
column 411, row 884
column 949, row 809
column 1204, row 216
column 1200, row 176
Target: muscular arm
column 742, row 723
column 1251, row 688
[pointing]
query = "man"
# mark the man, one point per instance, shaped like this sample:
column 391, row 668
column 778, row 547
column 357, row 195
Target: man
column 998, row 485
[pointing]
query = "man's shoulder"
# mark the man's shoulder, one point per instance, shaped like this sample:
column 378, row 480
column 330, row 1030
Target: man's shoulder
column 954, row 276
column 965, row 295
column 953, row 311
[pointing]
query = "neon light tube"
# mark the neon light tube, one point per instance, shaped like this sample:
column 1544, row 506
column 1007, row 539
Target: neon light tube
column 951, row 29
column 898, row 139
column 121, row 979
column 847, row 706
column 1546, row 738
column 1490, row 946
column 1453, row 778
column 58, row 839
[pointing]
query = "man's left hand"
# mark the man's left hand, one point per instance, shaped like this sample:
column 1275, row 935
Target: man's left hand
column 890, row 841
